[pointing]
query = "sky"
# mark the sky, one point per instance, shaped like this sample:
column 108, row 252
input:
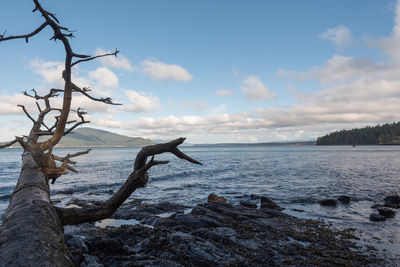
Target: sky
column 211, row 71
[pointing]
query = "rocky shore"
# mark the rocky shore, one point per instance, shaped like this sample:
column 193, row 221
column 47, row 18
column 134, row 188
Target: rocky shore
column 254, row 233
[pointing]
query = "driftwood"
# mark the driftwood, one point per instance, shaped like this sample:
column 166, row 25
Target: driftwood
column 32, row 229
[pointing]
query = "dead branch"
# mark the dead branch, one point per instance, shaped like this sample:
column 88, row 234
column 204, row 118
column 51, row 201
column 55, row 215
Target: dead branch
column 27, row 114
column 138, row 178
column 17, row 139
column 25, row 36
column 84, row 91
column 115, row 53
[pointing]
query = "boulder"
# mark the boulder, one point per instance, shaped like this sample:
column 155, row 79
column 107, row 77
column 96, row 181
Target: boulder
column 344, row 199
column 376, row 217
column 328, row 202
column 248, row 204
column 388, row 213
column 215, row 198
column 392, row 201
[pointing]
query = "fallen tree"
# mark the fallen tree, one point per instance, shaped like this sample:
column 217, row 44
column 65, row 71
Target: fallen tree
column 32, row 229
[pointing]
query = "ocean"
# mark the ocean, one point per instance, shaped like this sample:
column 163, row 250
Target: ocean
column 296, row 177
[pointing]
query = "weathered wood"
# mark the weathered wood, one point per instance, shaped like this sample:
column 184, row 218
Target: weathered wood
column 31, row 233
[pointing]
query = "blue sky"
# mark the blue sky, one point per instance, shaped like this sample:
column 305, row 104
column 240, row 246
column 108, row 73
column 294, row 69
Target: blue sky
column 213, row 71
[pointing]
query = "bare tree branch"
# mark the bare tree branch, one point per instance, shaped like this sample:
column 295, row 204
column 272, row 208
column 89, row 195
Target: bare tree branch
column 138, row 178
column 115, row 53
column 25, row 36
column 84, row 91
column 27, row 114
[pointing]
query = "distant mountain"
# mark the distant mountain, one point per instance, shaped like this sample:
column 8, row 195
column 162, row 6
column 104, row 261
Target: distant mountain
column 387, row 134
column 89, row 137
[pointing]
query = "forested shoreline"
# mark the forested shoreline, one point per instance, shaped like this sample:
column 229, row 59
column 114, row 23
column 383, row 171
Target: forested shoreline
column 386, row 134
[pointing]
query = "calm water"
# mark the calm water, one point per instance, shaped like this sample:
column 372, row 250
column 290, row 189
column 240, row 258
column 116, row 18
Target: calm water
column 297, row 177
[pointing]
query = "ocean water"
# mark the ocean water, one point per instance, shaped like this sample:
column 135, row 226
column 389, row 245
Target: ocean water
column 296, row 177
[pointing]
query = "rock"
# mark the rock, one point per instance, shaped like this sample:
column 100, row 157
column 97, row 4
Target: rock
column 344, row 199
column 272, row 206
column 388, row 213
column 328, row 202
column 266, row 200
column 248, row 204
column 215, row 198
column 90, row 261
column 392, row 201
column 376, row 217
column 254, row 197
column 375, row 206
column 66, row 192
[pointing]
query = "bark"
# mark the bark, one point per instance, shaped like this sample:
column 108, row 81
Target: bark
column 31, row 233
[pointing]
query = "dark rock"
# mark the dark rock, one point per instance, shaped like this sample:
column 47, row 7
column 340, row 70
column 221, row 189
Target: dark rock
column 328, row 202
column 254, row 197
column 215, row 198
column 90, row 261
column 215, row 234
column 272, row 206
column 376, row 217
column 66, row 192
column 392, row 201
column 267, row 203
column 344, row 199
column 388, row 213
column 375, row 206
column 248, row 204
column 265, row 199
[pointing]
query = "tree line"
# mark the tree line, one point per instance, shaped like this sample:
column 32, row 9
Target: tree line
column 386, row 134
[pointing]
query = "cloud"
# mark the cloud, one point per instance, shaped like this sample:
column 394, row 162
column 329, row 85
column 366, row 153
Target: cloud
column 390, row 45
column 51, row 71
column 224, row 92
column 339, row 69
column 105, row 77
column 255, row 90
column 340, row 35
column 161, row 71
column 197, row 105
column 120, row 62
column 140, row 102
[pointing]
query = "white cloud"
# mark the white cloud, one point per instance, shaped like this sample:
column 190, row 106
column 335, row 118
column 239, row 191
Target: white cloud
column 140, row 102
column 120, row 62
column 390, row 45
column 255, row 90
column 51, row 71
column 340, row 35
column 197, row 105
column 161, row 71
column 339, row 69
column 224, row 92
column 105, row 77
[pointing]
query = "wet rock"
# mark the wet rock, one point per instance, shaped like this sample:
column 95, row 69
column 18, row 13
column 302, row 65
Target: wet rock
column 344, row 199
column 90, row 261
column 328, row 202
column 272, row 206
column 215, row 198
column 66, row 192
column 392, row 201
column 77, row 248
column 376, row 217
column 128, row 212
column 254, row 197
column 248, row 204
column 267, row 203
column 265, row 199
column 375, row 206
column 388, row 213
column 218, row 234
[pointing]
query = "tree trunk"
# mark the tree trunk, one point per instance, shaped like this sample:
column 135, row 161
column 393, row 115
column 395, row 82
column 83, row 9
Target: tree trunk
column 32, row 233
